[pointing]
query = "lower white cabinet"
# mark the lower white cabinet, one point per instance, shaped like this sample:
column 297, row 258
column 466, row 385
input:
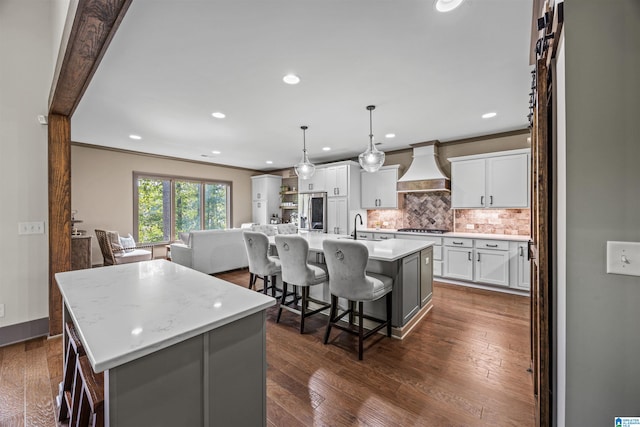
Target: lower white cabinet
column 337, row 215
column 520, row 263
column 480, row 261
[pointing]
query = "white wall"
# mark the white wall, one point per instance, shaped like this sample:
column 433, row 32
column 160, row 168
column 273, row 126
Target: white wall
column 25, row 79
column 602, row 57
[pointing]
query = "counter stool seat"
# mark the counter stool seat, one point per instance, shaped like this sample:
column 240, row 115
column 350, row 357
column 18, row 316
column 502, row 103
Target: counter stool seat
column 348, row 279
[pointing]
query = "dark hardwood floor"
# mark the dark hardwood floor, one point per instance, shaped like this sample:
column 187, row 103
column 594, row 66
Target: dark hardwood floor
column 465, row 364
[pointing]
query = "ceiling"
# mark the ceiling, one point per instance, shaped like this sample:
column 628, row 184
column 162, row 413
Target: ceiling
column 431, row 76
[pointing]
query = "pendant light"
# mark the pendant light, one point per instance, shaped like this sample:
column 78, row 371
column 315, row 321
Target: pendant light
column 305, row 168
column 372, row 159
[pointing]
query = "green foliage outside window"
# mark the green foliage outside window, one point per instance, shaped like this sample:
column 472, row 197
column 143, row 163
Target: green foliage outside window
column 155, row 209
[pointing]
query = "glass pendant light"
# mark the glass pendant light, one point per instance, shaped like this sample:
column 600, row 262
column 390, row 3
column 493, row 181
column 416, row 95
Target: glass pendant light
column 372, row 159
column 305, row 169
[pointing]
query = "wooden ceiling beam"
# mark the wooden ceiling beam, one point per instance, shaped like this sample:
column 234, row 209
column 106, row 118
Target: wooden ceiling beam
column 93, row 26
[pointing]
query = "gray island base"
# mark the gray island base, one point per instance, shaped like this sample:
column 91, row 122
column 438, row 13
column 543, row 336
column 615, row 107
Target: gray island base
column 177, row 347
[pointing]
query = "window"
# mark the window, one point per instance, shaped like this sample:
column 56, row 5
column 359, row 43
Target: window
column 165, row 206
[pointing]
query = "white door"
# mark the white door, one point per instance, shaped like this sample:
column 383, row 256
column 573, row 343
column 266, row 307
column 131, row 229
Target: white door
column 468, row 184
column 508, row 181
column 369, row 183
column 258, row 188
column 492, row 267
column 458, row 263
column 336, row 180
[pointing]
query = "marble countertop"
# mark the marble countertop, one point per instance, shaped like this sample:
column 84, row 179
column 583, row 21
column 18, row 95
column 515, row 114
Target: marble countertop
column 510, row 237
column 383, row 250
column 127, row 311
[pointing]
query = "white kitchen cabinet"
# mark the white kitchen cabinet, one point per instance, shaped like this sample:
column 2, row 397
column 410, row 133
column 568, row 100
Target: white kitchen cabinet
column 492, row 262
column 495, row 180
column 337, row 215
column 458, row 263
column 383, row 236
column 265, row 187
column 378, row 189
column 265, row 193
column 523, row 268
column 314, row 184
column 337, row 181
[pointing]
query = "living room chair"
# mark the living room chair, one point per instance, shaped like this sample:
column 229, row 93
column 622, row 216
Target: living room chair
column 296, row 271
column 348, row 279
column 114, row 253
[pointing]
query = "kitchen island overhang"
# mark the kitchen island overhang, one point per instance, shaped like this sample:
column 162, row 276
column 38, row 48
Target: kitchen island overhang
column 178, row 347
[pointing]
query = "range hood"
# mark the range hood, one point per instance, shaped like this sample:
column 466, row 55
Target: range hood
column 424, row 173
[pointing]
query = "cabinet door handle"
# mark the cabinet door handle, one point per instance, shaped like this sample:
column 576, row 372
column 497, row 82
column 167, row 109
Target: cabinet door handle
column 258, row 195
column 490, row 200
column 310, row 186
column 478, row 256
column 458, row 243
column 482, row 200
column 521, row 251
column 492, row 246
column 469, row 256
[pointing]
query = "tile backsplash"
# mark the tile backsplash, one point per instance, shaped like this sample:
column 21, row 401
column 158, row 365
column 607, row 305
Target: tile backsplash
column 433, row 210
column 493, row 221
column 419, row 210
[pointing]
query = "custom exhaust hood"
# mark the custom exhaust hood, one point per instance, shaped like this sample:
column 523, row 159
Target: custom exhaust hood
column 424, row 173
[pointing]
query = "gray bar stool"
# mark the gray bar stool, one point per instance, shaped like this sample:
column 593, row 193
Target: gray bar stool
column 348, row 279
column 296, row 271
column 260, row 263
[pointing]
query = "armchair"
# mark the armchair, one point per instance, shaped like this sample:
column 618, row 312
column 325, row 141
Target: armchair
column 114, row 253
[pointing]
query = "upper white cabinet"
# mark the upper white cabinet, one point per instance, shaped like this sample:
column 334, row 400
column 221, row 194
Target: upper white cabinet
column 495, row 180
column 378, row 189
column 265, row 187
column 337, row 215
column 337, row 181
column 314, row 184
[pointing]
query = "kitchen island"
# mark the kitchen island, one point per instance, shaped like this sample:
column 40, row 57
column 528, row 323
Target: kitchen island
column 177, row 347
column 407, row 262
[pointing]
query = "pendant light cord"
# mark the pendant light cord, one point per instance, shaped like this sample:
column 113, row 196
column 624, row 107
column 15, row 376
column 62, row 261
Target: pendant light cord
column 371, row 108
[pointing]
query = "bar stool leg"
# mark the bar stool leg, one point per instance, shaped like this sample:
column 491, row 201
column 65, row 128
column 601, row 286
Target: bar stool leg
column 282, row 301
column 360, row 329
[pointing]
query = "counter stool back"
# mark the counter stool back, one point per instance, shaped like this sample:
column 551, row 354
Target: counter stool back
column 348, row 279
column 296, row 271
column 260, row 263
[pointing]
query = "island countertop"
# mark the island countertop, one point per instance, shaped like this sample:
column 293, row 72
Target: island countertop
column 127, row 311
column 382, row 250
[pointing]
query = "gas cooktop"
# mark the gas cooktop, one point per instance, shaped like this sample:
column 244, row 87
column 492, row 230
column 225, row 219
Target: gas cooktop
column 422, row 230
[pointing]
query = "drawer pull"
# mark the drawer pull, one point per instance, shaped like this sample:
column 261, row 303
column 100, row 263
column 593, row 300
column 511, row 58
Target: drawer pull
column 492, row 246
column 458, row 243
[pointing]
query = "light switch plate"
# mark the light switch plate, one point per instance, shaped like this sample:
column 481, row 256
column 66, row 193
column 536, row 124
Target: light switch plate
column 36, row 227
column 623, row 258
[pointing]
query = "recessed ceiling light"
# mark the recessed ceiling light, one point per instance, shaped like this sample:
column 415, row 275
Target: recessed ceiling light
column 326, row 148
column 215, row 152
column 390, row 135
column 219, row 115
column 489, row 115
column 269, row 162
column 447, row 5
column 136, row 137
column 291, row 79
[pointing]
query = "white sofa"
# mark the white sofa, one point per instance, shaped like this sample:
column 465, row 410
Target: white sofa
column 212, row 251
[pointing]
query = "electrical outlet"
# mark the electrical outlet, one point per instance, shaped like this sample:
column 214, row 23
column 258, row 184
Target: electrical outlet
column 470, row 226
column 36, row 227
column 1, row 310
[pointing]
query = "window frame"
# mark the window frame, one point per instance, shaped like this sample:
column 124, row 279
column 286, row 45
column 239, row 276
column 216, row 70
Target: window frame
column 172, row 179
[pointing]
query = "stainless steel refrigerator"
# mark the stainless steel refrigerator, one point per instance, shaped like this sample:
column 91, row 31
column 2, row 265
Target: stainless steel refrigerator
column 312, row 211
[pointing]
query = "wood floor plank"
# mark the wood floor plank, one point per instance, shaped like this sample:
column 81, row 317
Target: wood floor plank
column 40, row 409
column 12, row 392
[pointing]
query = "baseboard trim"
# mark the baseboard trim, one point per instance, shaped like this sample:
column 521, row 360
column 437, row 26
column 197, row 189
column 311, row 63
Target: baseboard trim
column 24, row 331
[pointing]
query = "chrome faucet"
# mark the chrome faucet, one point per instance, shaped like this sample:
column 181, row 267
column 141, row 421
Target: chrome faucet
column 355, row 226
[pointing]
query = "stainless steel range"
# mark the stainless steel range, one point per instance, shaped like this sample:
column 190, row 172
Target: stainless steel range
column 422, row 230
